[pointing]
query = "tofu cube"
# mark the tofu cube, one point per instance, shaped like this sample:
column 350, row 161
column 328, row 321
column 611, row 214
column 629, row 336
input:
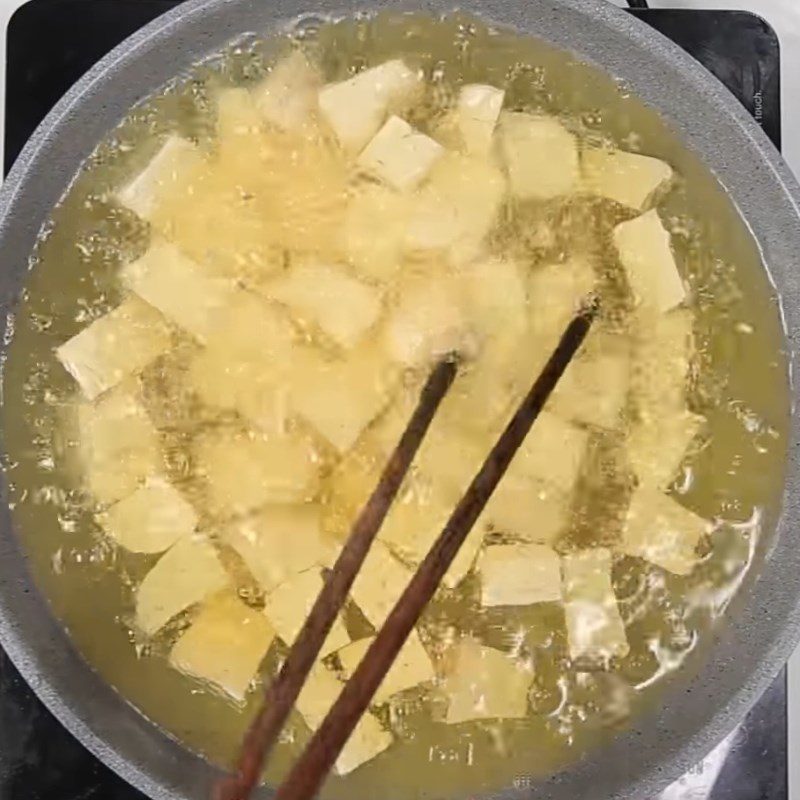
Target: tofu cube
column 490, row 386
column 245, row 363
column 119, row 446
column 449, row 459
column 114, row 347
column 224, row 646
column 179, row 289
column 540, row 154
column 245, row 470
column 645, row 250
column 527, row 509
column 484, row 683
column 347, row 488
column 287, row 608
column 372, row 208
column 253, row 329
column 595, row 628
column 368, row 740
column 412, row 668
column 151, row 519
column 629, row 179
column 379, row 584
column 171, row 171
column 556, row 293
column 477, row 113
column 327, row 296
column 356, row 108
column 519, row 575
column 428, row 322
column 237, row 117
column 456, row 208
column 399, row 155
column 186, row 574
column 658, row 446
column 252, row 389
column 497, row 298
column 341, row 398
column 594, row 389
column 553, row 452
column 660, row 530
column 287, row 97
column 280, row 541
column 663, row 350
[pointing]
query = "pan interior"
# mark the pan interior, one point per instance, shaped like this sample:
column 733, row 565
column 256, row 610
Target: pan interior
column 740, row 386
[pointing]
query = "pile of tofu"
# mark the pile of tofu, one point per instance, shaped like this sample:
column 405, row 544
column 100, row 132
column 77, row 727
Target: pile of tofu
column 320, row 258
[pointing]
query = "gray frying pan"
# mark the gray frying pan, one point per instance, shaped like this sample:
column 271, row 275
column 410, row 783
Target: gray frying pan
column 765, row 625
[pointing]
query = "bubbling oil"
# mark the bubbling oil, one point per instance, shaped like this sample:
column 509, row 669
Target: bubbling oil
column 739, row 384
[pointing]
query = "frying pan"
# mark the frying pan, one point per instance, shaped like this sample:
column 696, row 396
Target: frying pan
column 765, row 626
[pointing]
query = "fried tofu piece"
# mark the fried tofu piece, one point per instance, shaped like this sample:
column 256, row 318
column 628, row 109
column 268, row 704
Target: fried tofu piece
column 368, row 740
column 379, row 584
column 227, row 223
column 484, row 683
column 346, row 490
column 629, row 179
column 237, row 117
column 119, row 446
column 399, row 155
column 179, row 289
column 540, row 154
column 280, row 541
column 245, row 362
column 151, row 519
column 594, row 389
column 330, row 298
column 660, row 530
column 172, row 170
column 657, row 447
column 556, row 293
column 115, row 346
column 287, row 97
column 595, row 628
column 429, row 321
column 663, row 349
column 527, row 509
column 415, row 523
column 477, row 112
column 245, row 470
column 412, row 668
column 456, row 208
column 374, row 207
column 224, row 646
column 340, row 398
column 356, row 108
column 287, row 609
column 553, row 452
column 186, row 574
column 519, row 575
column 497, row 297
column 645, row 250
column 251, row 388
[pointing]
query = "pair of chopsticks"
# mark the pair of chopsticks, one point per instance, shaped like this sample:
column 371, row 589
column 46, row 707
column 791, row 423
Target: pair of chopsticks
column 310, row 771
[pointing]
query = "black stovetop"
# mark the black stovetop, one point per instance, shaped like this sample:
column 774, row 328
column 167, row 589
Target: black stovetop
column 51, row 43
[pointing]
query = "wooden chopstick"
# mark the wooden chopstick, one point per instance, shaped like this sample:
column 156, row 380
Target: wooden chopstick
column 310, row 771
column 284, row 690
